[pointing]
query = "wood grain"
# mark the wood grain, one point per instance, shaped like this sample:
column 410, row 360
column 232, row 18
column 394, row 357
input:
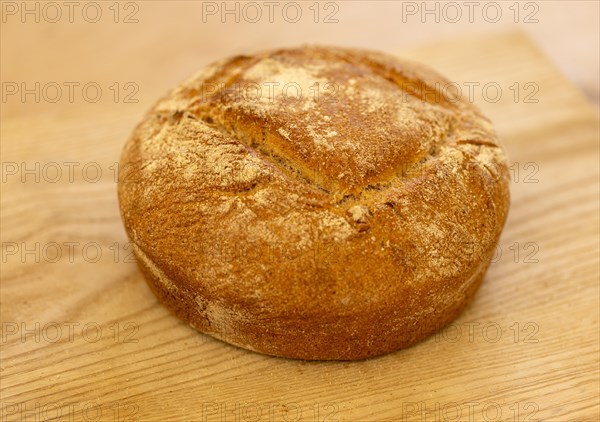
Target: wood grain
column 527, row 347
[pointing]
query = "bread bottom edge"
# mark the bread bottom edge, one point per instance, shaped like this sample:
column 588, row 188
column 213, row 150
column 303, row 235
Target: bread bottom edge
column 310, row 341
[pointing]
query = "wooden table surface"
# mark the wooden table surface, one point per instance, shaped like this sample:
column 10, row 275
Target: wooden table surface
column 83, row 338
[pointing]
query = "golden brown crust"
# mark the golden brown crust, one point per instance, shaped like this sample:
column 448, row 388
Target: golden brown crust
column 350, row 222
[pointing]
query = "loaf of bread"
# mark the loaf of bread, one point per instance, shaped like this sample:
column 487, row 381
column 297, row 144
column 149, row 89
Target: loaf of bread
column 315, row 203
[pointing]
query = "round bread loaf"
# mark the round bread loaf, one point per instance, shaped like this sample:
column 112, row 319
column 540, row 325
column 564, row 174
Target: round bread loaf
column 314, row 203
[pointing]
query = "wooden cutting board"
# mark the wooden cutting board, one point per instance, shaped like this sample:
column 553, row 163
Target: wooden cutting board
column 83, row 338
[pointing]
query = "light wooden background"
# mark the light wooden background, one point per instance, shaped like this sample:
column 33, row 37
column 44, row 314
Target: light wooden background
column 85, row 340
